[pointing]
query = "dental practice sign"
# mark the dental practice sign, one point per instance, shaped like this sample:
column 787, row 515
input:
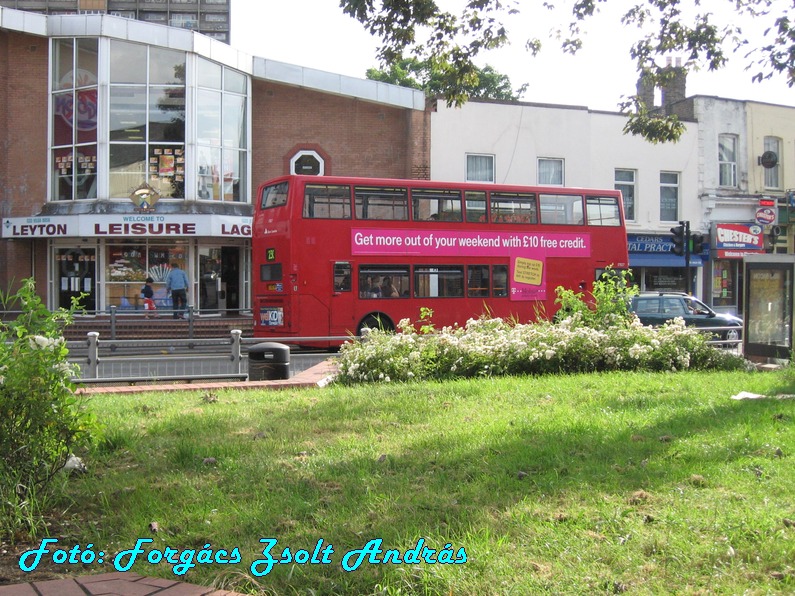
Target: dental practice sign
column 127, row 225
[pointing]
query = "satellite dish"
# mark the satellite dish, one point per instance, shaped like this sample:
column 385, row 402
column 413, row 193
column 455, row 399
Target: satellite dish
column 769, row 159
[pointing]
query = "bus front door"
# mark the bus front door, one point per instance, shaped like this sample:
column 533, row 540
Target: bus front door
column 341, row 310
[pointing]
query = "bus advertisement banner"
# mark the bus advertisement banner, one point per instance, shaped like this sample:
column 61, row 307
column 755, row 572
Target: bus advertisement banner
column 528, row 251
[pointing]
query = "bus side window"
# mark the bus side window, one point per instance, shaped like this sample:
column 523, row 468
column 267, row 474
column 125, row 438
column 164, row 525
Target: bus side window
column 478, row 281
column 603, row 211
column 500, row 276
column 369, row 286
column 475, row 204
column 342, row 277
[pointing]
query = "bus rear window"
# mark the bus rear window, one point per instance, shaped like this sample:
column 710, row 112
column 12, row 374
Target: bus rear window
column 603, row 211
column 326, row 201
column 274, row 196
column 272, row 272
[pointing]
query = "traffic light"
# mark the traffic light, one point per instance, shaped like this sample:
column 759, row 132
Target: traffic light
column 679, row 240
column 696, row 243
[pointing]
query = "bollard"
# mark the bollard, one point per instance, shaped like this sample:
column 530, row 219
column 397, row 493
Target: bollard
column 268, row 361
column 235, row 356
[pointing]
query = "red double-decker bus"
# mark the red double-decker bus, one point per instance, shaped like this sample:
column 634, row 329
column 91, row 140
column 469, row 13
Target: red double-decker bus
column 333, row 255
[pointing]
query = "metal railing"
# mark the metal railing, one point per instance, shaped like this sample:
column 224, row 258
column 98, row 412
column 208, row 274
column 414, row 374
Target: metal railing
column 166, row 360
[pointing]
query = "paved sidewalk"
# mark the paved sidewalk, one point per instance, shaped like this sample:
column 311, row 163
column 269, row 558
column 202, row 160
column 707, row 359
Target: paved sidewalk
column 132, row 584
column 111, row 584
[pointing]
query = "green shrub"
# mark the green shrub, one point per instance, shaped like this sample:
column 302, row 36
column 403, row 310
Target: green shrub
column 608, row 305
column 597, row 335
column 41, row 419
column 490, row 347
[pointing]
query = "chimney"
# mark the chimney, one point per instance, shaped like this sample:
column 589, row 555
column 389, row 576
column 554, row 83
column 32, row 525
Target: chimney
column 674, row 89
column 645, row 91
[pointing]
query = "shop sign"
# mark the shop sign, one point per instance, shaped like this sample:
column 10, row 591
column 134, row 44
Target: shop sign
column 649, row 243
column 739, row 236
column 766, row 216
column 84, row 226
column 735, row 254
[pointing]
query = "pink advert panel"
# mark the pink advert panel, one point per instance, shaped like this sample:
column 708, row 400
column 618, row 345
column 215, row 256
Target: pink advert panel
column 444, row 243
column 528, row 251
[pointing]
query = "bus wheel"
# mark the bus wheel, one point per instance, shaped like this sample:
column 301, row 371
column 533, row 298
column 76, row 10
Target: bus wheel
column 375, row 321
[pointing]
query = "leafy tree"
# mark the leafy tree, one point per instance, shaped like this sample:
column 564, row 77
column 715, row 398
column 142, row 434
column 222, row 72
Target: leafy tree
column 485, row 83
column 664, row 28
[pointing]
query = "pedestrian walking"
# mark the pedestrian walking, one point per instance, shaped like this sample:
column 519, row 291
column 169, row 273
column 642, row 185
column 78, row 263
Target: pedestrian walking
column 177, row 285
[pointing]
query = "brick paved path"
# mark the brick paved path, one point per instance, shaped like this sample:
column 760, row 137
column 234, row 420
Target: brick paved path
column 111, row 584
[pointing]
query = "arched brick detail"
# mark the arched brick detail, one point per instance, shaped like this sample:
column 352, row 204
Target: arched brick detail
column 307, row 147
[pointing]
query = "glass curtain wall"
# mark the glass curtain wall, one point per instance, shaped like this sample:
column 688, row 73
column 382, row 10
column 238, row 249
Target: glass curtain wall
column 74, row 114
column 221, row 131
column 147, row 119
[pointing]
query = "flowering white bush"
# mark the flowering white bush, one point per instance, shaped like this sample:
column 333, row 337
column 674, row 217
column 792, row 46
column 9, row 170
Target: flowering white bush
column 492, row 346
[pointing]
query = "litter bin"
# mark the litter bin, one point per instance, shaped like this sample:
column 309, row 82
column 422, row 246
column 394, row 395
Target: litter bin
column 268, row 361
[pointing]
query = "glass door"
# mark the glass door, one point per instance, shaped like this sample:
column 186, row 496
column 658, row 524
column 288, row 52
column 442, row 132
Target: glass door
column 219, row 279
column 77, row 272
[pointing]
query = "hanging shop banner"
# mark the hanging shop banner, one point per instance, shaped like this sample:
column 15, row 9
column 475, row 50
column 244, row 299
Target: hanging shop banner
column 734, row 240
column 121, row 225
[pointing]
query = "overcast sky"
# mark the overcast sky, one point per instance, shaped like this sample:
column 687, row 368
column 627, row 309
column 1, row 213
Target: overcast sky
column 316, row 34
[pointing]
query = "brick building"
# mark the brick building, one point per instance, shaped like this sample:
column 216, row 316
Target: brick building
column 129, row 146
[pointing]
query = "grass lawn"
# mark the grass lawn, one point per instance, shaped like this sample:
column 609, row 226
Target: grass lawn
column 602, row 483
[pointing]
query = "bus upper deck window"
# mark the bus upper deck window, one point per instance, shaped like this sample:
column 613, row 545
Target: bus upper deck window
column 603, row 211
column 475, row 201
column 327, row 201
column 436, row 205
column 561, row 209
column 378, row 202
column 513, row 207
column 274, row 196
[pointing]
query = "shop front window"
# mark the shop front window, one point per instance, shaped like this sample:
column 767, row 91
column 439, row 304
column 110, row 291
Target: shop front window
column 127, row 266
column 724, row 283
column 663, row 279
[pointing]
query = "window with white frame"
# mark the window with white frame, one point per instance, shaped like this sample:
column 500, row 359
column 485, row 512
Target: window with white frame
column 625, row 182
column 480, row 168
column 307, row 162
column 773, row 175
column 727, row 161
column 550, row 171
column 669, row 196
column 221, row 132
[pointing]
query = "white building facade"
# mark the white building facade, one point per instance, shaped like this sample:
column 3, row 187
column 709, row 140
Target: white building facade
column 527, row 144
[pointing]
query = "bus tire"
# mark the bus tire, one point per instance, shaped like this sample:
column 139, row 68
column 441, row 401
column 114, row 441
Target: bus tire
column 375, row 321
